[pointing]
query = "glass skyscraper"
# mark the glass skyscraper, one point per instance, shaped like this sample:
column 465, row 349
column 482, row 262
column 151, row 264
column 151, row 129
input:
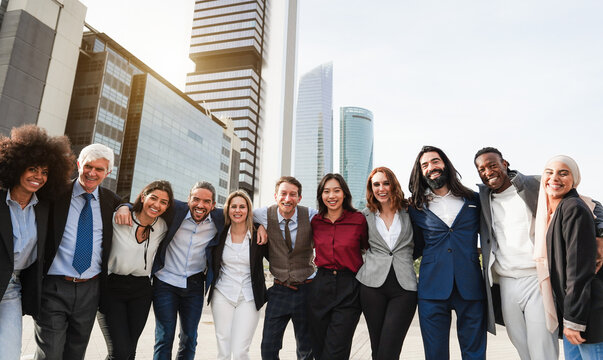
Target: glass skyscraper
column 314, row 130
column 229, row 48
column 356, row 151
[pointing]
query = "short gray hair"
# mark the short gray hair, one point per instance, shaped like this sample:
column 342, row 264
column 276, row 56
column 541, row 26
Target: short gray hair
column 95, row 152
column 204, row 185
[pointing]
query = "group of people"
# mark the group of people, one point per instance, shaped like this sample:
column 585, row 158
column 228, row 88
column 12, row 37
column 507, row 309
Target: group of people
column 71, row 252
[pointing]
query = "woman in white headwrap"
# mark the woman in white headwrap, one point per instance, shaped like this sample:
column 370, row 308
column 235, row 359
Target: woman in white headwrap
column 565, row 253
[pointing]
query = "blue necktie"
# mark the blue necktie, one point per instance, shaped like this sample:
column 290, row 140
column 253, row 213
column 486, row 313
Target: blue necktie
column 83, row 244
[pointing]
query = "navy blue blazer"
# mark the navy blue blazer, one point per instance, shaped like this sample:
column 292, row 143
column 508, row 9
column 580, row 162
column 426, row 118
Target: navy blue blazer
column 450, row 255
column 179, row 214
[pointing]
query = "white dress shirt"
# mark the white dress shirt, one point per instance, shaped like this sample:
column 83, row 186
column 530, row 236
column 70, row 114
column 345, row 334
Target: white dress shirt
column 235, row 271
column 389, row 235
column 445, row 207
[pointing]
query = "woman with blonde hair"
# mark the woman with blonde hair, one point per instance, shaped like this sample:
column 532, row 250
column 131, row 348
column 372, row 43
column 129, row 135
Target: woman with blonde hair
column 238, row 289
column 565, row 252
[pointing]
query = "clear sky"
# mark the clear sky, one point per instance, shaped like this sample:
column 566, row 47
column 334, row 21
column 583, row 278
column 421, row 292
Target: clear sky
column 523, row 76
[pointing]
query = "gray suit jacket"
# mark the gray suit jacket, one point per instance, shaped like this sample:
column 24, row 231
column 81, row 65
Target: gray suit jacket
column 379, row 258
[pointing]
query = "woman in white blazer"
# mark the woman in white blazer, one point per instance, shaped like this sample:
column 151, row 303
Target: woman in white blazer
column 388, row 291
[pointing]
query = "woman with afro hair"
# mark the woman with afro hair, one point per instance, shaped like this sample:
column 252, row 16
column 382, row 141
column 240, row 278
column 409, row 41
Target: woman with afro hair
column 33, row 167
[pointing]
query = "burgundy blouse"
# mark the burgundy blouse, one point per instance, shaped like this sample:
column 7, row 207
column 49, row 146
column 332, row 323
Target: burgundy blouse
column 338, row 244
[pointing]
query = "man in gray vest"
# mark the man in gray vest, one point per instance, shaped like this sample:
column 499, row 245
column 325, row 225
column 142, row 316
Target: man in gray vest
column 290, row 255
column 509, row 200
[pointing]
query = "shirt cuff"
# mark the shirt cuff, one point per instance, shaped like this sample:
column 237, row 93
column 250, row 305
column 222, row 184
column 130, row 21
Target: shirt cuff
column 573, row 326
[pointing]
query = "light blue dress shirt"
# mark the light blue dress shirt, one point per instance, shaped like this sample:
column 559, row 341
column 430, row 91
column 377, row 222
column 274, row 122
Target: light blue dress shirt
column 25, row 231
column 185, row 255
column 62, row 263
column 260, row 216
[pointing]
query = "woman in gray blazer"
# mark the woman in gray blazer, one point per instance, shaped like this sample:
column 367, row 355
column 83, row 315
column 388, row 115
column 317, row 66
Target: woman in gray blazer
column 388, row 291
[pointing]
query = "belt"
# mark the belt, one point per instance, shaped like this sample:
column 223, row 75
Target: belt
column 77, row 280
column 293, row 285
column 335, row 272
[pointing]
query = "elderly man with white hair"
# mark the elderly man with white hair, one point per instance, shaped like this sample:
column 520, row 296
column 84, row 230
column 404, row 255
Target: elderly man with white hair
column 76, row 253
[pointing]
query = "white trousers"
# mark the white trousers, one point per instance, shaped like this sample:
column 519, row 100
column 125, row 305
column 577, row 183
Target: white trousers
column 11, row 322
column 235, row 325
column 523, row 312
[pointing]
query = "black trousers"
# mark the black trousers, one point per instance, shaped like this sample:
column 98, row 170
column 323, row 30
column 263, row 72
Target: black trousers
column 123, row 312
column 334, row 309
column 388, row 311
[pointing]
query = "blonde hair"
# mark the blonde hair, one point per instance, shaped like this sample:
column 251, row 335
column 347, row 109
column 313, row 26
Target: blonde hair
column 249, row 219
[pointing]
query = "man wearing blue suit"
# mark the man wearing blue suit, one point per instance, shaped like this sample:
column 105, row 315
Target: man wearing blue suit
column 446, row 217
column 181, row 266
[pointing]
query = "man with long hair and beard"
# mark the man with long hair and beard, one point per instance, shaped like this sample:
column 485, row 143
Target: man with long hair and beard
column 446, row 218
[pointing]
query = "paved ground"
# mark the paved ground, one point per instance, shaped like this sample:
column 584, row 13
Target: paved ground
column 499, row 347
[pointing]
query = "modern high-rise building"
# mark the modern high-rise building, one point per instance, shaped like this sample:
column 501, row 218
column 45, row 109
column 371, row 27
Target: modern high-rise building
column 154, row 129
column 229, row 46
column 39, row 47
column 314, row 130
column 356, row 151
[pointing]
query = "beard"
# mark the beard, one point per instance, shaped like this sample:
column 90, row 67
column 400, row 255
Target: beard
column 438, row 182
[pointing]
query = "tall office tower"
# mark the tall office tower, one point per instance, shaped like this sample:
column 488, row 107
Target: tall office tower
column 154, row 129
column 39, row 43
column 230, row 52
column 356, row 151
column 314, row 130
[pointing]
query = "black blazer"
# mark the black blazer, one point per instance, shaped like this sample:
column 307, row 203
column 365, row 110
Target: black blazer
column 256, row 255
column 572, row 251
column 58, row 219
column 31, row 278
column 180, row 210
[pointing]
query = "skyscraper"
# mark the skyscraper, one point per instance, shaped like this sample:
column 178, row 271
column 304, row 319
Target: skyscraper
column 314, row 130
column 356, row 151
column 39, row 47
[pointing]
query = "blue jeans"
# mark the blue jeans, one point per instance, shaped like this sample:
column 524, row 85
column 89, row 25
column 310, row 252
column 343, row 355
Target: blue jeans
column 169, row 302
column 582, row 351
column 11, row 324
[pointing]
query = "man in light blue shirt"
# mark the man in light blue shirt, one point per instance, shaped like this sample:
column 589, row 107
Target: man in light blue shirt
column 81, row 228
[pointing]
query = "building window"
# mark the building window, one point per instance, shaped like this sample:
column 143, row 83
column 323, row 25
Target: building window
column 224, row 167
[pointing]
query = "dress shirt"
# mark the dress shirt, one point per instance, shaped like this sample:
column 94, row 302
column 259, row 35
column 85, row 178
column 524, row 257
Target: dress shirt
column 235, row 271
column 127, row 256
column 260, row 216
column 63, row 260
column 389, row 235
column 25, row 231
column 445, row 207
column 338, row 244
column 185, row 254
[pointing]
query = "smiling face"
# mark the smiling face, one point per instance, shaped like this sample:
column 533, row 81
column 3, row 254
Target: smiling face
column 237, row 210
column 33, row 178
column 434, row 170
column 492, row 169
column 200, row 203
column 93, row 173
column 332, row 195
column 381, row 188
column 155, row 203
column 287, row 197
column 557, row 179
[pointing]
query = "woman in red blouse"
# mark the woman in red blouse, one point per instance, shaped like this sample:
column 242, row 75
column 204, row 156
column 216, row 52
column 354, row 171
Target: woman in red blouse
column 340, row 234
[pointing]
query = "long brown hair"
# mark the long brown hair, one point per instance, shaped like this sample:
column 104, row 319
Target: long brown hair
column 162, row 185
column 397, row 195
column 418, row 186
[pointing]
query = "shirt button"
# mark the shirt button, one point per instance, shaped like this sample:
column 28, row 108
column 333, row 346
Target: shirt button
column 391, row 253
column 334, row 272
column 449, row 250
column 450, row 230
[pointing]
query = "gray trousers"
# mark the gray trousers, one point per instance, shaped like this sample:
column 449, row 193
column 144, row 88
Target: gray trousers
column 523, row 312
column 66, row 318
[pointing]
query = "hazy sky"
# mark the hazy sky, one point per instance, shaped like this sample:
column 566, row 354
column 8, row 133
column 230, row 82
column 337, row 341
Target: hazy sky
column 524, row 76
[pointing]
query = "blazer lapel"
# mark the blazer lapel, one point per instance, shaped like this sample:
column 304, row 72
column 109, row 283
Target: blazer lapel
column 405, row 228
column 372, row 218
column 6, row 230
column 41, row 211
column 60, row 213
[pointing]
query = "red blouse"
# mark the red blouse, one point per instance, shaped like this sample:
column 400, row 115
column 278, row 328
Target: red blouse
column 338, row 245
